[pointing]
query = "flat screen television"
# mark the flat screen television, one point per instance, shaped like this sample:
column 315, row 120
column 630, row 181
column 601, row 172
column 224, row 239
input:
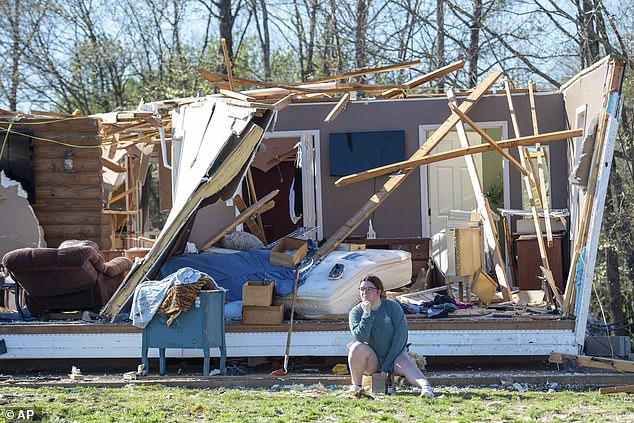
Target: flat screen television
column 354, row 152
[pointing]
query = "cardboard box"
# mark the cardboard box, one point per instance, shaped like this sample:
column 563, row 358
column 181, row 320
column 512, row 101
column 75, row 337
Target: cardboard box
column 258, row 293
column 258, row 315
column 484, row 287
column 289, row 252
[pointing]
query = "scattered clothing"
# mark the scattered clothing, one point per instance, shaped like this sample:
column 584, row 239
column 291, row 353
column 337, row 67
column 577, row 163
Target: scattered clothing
column 149, row 295
column 180, row 298
column 231, row 271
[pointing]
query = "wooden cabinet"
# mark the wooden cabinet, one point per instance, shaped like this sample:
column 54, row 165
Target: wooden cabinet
column 417, row 247
column 528, row 261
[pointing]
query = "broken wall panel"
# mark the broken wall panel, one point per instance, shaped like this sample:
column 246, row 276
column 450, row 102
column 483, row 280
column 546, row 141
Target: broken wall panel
column 408, row 115
column 68, row 182
column 19, row 227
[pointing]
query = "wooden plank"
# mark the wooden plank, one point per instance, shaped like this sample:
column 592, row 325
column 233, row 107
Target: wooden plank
column 68, row 192
column 280, row 104
column 112, row 165
column 339, row 107
column 369, row 71
column 253, row 198
column 225, row 53
column 482, row 203
column 540, row 166
column 624, row 366
column 69, row 178
column 119, row 196
column 487, row 138
column 236, row 95
column 529, row 192
column 254, row 228
column 616, row 389
column 243, row 217
column 392, row 183
column 430, row 76
column 435, row 74
column 452, row 154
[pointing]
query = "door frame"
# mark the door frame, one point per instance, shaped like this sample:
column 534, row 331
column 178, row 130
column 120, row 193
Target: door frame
column 311, row 177
column 424, row 171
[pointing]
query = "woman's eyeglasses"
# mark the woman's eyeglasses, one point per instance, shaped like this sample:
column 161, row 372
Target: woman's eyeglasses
column 367, row 289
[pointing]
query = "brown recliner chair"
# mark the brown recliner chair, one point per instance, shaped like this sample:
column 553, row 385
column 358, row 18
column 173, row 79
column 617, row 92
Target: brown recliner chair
column 65, row 279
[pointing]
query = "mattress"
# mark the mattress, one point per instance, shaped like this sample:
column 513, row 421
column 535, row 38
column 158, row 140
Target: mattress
column 320, row 295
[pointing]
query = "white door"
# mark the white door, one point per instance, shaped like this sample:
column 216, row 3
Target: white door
column 449, row 187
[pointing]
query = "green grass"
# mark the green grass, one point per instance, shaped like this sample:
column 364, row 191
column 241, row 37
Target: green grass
column 167, row 404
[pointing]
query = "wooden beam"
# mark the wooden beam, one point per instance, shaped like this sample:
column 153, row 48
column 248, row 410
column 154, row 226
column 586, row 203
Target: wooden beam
column 616, row 389
column 529, row 192
column 624, row 366
column 452, row 154
column 486, row 137
column 482, row 204
column 112, row 165
column 240, row 219
column 392, row 183
column 119, row 196
column 540, row 166
column 369, row 71
column 280, row 104
column 225, row 53
column 435, row 74
column 430, row 76
column 339, row 107
column 236, row 95
column 254, row 227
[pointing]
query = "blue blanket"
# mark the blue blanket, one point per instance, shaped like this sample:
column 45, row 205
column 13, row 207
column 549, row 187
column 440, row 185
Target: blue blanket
column 231, row 271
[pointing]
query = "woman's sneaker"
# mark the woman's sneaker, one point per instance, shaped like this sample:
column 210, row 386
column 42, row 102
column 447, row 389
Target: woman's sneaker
column 427, row 391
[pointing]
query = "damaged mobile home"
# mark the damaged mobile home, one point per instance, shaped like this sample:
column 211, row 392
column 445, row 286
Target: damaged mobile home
column 435, row 165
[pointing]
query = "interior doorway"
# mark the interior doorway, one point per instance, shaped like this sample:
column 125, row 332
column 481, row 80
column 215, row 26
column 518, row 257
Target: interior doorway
column 288, row 161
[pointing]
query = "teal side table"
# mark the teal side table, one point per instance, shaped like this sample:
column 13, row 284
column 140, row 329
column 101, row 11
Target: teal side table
column 202, row 326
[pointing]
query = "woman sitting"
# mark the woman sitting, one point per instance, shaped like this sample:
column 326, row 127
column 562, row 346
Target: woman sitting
column 379, row 328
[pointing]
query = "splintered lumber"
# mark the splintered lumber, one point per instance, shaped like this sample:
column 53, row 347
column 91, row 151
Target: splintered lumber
column 242, row 217
column 392, row 183
column 225, row 53
column 254, row 227
column 616, row 389
column 368, row 71
column 339, row 107
column 624, row 366
column 112, row 165
column 235, row 95
column 529, row 192
column 254, row 199
column 487, row 138
column 482, row 203
column 540, row 166
column 280, row 104
column 452, row 154
column 435, row 74
column 229, row 169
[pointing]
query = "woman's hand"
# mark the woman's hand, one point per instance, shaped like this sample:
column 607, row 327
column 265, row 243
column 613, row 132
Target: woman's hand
column 366, row 306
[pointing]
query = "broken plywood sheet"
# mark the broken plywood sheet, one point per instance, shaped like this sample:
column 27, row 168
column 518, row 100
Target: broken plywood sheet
column 19, row 227
column 214, row 156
